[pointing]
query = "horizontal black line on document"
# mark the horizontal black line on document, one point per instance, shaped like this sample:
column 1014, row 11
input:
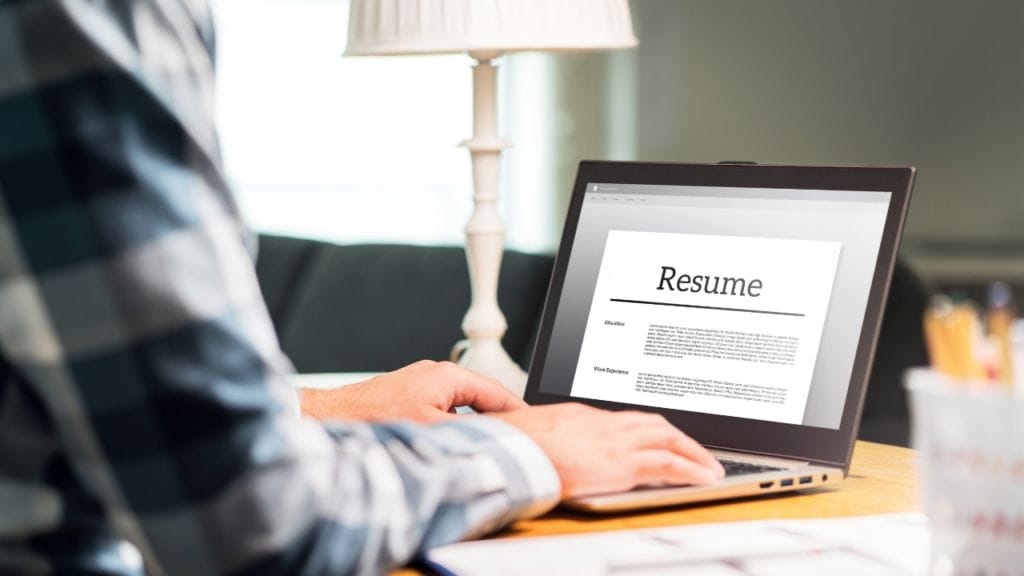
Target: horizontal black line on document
column 651, row 303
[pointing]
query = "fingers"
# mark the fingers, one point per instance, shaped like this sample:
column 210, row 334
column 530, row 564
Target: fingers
column 663, row 454
column 690, row 448
column 654, row 432
column 662, row 466
column 483, row 394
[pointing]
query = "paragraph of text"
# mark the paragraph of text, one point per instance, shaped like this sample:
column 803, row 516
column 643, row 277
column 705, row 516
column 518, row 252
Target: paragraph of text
column 682, row 386
column 681, row 341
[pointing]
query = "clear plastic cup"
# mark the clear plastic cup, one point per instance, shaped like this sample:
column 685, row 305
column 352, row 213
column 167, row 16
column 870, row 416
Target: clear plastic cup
column 970, row 439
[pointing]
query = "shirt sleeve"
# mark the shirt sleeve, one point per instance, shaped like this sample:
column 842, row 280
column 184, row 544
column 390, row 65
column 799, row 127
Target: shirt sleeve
column 129, row 303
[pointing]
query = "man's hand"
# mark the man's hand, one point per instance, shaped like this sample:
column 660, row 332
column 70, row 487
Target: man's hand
column 598, row 451
column 423, row 392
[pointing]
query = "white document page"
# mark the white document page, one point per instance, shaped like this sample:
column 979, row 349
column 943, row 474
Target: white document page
column 889, row 545
column 716, row 324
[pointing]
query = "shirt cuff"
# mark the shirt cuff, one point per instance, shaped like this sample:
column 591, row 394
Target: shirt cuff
column 513, row 464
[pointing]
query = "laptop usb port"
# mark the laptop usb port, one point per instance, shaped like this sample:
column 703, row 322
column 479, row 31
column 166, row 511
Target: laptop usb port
column 786, row 482
column 805, row 479
column 766, row 485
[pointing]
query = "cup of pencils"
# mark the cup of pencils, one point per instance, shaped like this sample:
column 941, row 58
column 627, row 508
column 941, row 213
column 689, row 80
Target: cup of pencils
column 967, row 411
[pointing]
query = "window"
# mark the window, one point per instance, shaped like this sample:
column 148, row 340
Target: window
column 366, row 149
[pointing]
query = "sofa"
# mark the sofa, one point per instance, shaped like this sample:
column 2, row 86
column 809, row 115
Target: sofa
column 377, row 307
column 374, row 308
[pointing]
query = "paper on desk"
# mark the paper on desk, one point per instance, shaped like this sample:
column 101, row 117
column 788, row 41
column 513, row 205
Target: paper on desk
column 865, row 545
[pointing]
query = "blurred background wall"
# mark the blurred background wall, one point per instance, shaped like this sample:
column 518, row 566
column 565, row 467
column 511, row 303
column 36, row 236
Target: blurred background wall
column 366, row 149
column 938, row 84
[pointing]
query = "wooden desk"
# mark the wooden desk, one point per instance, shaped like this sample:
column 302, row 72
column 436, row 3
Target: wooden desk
column 882, row 479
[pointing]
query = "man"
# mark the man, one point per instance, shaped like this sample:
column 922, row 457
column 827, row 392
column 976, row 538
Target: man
column 142, row 389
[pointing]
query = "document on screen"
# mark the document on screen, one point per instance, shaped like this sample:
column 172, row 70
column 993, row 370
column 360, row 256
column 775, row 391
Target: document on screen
column 717, row 324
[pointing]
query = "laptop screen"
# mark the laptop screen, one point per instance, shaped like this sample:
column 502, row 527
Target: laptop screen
column 742, row 302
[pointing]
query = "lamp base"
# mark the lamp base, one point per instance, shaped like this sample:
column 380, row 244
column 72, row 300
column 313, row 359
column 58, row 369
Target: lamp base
column 488, row 357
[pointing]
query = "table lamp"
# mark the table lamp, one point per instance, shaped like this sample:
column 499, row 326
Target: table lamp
column 486, row 29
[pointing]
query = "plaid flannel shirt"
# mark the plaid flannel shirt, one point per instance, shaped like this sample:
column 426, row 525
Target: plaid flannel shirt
column 143, row 394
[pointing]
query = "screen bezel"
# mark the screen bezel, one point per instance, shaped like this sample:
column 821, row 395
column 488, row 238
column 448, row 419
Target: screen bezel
column 819, row 445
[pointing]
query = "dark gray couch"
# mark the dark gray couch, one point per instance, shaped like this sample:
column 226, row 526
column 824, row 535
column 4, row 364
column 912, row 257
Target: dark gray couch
column 372, row 308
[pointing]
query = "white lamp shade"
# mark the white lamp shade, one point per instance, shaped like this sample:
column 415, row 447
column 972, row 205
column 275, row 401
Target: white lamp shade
column 393, row 27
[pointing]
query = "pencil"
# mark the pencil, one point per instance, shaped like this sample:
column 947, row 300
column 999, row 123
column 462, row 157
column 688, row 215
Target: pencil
column 1000, row 319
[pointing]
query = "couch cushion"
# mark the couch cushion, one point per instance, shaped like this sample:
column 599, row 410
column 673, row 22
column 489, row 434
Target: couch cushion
column 379, row 307
column 281, row 263
column 900, row 346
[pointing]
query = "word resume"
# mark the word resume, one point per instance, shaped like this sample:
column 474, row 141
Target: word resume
column 726, row 325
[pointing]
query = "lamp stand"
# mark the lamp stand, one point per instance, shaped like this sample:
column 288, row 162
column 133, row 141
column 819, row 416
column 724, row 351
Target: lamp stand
column 484, row 324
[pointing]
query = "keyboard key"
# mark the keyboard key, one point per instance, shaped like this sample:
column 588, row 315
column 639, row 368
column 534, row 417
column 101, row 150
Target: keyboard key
column 734, row 468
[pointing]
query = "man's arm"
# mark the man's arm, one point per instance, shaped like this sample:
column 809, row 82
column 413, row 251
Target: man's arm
column 424, row 392
column 128, row 302
column 129, row 305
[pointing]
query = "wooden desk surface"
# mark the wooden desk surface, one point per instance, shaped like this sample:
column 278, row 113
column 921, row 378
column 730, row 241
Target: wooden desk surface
column 882, row 479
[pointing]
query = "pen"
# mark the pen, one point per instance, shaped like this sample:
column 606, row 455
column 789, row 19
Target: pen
column 1000, row 317
column 964, row 350
column 937, row 340
column 1017, row 354
column 967, row 340
column 954, row 339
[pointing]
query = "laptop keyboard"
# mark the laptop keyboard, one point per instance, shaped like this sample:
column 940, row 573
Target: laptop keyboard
column 734, row 468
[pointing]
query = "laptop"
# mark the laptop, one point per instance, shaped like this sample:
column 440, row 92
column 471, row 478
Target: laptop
column 742, row 302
